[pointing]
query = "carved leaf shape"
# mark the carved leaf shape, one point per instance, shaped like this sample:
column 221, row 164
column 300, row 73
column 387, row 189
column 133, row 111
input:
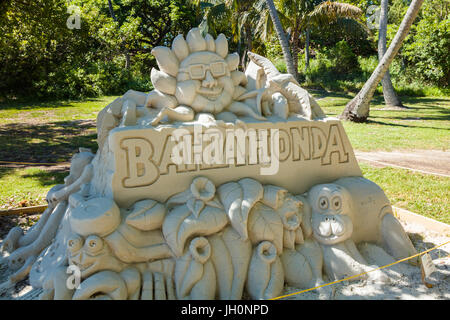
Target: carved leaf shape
column 180, row 224
column 265, row 224
column 146, row 215
column 238, row 199
column 253, row 192
column 231, row 196
column 171, row 227
column 196, row 206
column 215, row 203
column 179, row 198
column 187, row 273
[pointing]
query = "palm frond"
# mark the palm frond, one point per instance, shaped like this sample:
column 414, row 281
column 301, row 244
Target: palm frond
column 349, row 27
column 328, row 12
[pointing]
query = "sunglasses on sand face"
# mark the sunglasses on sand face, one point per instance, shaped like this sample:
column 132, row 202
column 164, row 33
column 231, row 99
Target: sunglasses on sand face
column 198, row 71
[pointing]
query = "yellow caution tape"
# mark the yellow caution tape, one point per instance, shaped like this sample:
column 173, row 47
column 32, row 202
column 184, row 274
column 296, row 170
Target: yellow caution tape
column 355, row 276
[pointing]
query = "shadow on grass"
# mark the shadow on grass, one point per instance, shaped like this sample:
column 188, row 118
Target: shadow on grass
column 370, row 121
column 50, row 177
column 418, row 108
column 433, row 111
column 52, row 142
column 435, row 114
column 328, row 94
column 30, row 105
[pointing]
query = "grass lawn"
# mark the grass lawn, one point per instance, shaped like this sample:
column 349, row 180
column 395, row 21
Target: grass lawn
column 48, row 132
column 425, row 125
column 52, row 132
column 420, row 193
column 49, row 112
column 27, row 186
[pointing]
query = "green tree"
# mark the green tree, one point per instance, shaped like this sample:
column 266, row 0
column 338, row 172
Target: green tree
column 290, row 63
column 41, row 56
column 427, row 53
column 303, row 15
column 357, row 110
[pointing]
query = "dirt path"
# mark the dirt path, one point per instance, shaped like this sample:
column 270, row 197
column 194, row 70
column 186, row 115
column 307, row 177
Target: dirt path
column 425, row 161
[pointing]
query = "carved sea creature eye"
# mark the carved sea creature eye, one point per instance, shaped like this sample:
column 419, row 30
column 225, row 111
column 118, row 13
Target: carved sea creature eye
column 75, row 243
column 323, row 202
column 93, row 244
column 336, row 203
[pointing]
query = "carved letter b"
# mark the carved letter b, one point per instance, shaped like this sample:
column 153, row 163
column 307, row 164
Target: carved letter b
column 141, row 169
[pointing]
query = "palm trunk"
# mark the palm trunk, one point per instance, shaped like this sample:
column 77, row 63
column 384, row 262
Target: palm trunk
column 295, row 42
column 307, row 57
column 390, row 96
column 241, row 61
column 357, row 110
column 248, row 35
column 281, row 37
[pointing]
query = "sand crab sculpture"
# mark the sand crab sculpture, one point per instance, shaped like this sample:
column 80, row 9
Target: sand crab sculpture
column 204, row 231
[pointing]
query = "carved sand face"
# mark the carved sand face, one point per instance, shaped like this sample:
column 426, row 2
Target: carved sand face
column 196, row 72
column 91, row 254
column 208, row 75
column 330, row 221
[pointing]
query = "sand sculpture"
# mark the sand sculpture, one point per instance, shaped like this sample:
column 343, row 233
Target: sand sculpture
column 218, row 184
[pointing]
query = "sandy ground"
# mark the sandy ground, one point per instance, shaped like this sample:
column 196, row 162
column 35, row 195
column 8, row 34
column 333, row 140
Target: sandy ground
column 426, row 161
column 405, row 281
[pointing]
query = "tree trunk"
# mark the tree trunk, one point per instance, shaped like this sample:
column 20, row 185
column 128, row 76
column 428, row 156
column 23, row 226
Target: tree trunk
column 307, row 57
column 281, row 37
column 295, row 42
column 127, row 60
column 249, row 45
column 357, row 110
column 390, row 96
column 241, row 61
column 111, row 11
column 126, row 54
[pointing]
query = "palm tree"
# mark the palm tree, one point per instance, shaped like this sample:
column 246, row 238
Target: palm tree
column 300, row 16
column 290, row 63
column 243, row 19
column 357, row 110
column 390, row 96
column 243, row 16
column 212, row 15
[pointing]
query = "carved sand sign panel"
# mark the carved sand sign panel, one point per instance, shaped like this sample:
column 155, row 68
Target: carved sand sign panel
column 146, row 160
column 217, row 184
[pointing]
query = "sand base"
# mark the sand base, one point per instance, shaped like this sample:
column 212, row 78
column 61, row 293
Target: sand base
column 405, row 280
